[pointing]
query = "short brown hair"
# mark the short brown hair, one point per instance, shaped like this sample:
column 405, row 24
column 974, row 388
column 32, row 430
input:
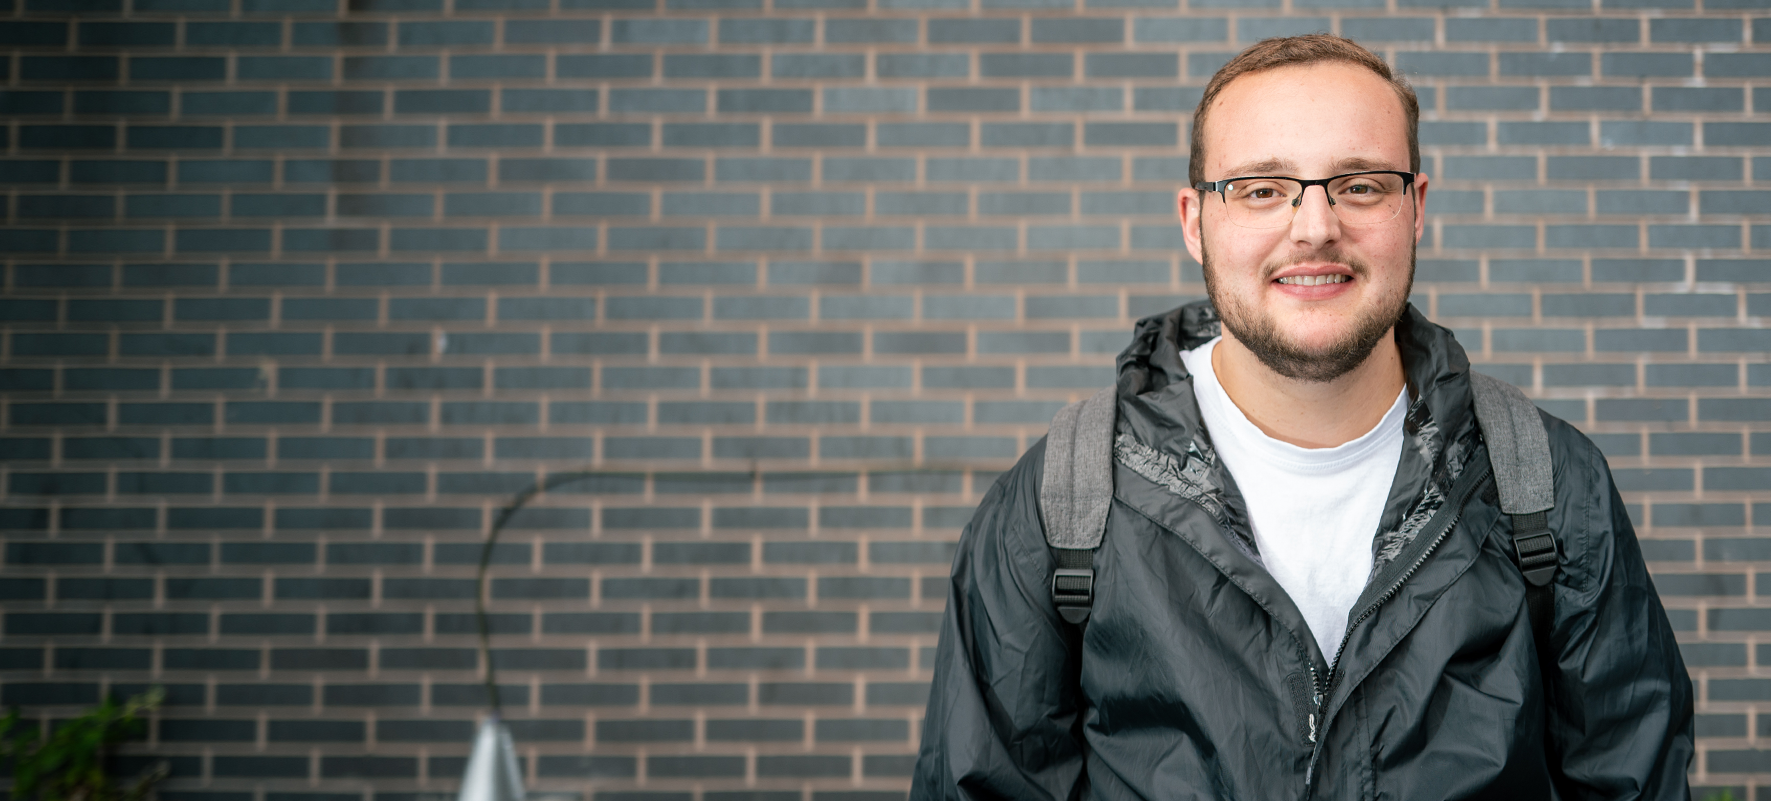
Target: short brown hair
column 1294, row 51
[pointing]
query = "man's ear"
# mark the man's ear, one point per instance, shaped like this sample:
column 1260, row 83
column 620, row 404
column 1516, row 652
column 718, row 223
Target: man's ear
column 1189, row 203
column 1420, row 207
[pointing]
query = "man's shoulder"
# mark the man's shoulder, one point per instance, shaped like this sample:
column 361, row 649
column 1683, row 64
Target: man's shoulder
column 1571, row 451
column 1018, row 487
column 1574, row 455
column 1586, row 519
column 1008, row 516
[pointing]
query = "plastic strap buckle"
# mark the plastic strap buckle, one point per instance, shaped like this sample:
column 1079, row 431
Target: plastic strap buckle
column 1535, row 547
column 1073, row 592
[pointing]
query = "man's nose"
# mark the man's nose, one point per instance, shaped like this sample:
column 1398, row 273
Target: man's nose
column 1314, row 220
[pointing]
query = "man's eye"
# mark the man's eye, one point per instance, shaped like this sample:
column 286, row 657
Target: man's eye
column 1259, row 192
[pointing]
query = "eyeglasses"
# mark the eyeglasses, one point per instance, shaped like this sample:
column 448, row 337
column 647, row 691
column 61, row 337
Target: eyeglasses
column 1358, row 198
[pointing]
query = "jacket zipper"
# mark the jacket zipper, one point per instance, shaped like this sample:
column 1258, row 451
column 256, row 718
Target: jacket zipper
column 1323, row 696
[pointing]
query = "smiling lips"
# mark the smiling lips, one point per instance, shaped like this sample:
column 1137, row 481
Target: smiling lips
column 1314, row 280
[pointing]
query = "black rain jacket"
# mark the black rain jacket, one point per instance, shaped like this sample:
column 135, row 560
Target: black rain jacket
column 1197, row 678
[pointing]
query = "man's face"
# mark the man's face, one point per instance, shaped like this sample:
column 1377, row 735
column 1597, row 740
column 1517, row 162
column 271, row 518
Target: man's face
column 1306, row 122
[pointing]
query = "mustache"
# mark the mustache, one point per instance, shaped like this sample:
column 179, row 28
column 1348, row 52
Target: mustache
column 1330, row 255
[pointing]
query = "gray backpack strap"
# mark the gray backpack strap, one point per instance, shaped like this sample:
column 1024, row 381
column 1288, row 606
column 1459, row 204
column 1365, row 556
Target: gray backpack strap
column 1076, row 490
column 1519, row 451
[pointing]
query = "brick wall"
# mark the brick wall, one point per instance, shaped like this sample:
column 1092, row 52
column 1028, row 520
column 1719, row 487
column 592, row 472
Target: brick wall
column 297, row 296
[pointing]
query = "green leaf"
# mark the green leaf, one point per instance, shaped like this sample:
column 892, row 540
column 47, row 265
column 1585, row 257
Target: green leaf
column 68, row 764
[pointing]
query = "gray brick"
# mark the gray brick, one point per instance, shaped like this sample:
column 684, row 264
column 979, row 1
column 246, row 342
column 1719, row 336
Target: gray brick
column 889, row 412
column 756, row 101
column 762, row 169
column 1609, row 30
column 1416, row 29
column 1593, row 168
column 1077, row 99
column 969, row 307
column 658, row 31
column 834, row 447
column 1733, row 409
column 1492, row 98
column 1023, row 203
column 1694, row 168
column 1548, row 64
column 1727, row 203
column 1693, row 375
column 862, row 31
column 1078, row 31
column 1689, row 305
column 920, row 134
column 1735, row 65
column 813, row 412
column 979, row 31
column 603, row 66
column 922, row 65
column 1180, row 29
column 1131, row 65
column 1446, row 64
column 853, row 377
column 973, row 237
column 1595, row 98
column 1027, row 134
column 1628, row 339
column 972, row 99
column 801, row 30
column 1697, row 98
column 1618, row 133
column 603, row 135
column 1721, row 237
column 1130, row 134
column 711, row 66
column 624, row 204
column 1252, row 29
column 1495, row 29
column 864, row 307
column 1694, row 30
column 874, row 99
column 1646, row 65
column 1543, row 133
column 1747, row 134
column 1563, row 236
column 657, row 100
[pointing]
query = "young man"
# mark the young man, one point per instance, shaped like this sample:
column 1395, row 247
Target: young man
column 1291, row 600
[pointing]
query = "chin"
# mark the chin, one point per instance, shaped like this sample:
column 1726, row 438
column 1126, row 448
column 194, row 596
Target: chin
column 1317, row 334
column 1315, row 342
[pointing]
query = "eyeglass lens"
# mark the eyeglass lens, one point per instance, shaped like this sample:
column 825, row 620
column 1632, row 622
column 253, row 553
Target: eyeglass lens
column 1356, row 199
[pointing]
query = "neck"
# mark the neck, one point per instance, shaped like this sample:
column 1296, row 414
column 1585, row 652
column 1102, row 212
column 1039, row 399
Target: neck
column 1310, row 414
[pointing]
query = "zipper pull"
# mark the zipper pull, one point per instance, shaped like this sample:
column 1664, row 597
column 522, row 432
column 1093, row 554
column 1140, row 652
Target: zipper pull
column 1312, row 727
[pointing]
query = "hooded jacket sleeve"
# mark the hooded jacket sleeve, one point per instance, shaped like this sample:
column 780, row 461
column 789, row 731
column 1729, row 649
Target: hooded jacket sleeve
column 1002, row 714
column 1620, row 724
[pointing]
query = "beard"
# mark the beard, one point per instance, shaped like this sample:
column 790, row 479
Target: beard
column 1260, row 333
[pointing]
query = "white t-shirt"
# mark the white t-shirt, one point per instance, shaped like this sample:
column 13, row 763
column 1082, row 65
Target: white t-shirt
column 1314, row 510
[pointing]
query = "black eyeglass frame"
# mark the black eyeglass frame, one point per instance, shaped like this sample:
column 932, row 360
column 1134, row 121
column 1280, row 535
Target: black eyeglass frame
column 1220, row 186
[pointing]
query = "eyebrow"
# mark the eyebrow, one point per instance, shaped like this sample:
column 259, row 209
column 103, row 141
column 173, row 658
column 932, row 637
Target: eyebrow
column 1281, row 167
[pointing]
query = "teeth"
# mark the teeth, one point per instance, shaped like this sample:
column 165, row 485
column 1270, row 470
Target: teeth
column 1315, row 280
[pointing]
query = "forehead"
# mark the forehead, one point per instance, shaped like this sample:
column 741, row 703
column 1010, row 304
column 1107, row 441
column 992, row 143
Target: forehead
column 1310, row 117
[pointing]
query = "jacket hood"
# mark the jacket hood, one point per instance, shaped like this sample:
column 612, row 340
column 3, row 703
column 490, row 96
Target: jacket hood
column 1435, row 365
